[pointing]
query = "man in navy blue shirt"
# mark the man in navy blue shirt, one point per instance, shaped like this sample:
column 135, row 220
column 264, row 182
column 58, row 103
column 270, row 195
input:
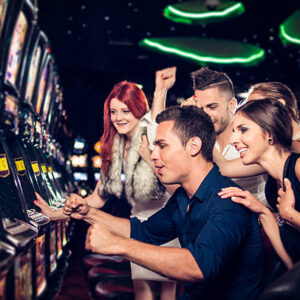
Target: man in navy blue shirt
column 221, row 255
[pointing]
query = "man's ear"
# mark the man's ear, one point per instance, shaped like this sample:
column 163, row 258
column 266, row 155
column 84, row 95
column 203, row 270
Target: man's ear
column 232, row 105
column 194, row 145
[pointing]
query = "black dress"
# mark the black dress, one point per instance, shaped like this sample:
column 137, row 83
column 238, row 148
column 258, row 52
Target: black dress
column 289, row 235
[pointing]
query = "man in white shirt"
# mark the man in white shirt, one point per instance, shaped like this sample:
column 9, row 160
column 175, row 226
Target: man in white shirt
column 214, row 93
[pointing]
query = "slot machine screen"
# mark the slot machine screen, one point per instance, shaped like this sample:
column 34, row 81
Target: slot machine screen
column 3, row 6
column 51, row 110
column 47, row 100
column 23, row 271
column 40, row 259
column 41, row 91
column 33, row 70
column 16, row 49
column 11, row 110
column 59, row 239
column 3, row 282
column 53, row 264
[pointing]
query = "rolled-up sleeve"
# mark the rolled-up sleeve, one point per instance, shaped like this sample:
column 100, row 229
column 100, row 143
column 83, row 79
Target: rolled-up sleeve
column 157, row 230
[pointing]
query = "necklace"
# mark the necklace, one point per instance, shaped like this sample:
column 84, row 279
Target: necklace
column 126, row 147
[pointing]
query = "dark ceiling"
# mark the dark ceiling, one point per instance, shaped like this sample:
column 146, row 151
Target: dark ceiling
column 95, row 45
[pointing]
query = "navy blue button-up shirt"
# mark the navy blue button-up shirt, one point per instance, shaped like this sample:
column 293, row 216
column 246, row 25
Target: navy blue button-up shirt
column 223, row 237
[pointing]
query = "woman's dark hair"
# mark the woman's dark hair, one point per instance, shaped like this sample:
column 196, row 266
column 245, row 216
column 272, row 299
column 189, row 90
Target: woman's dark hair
column 273, row 117
column 278, row 90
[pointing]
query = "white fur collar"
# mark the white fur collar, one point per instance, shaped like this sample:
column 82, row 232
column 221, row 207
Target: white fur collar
column 141, row 185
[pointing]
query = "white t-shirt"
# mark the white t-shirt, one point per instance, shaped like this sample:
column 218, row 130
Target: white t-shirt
column 254, row 184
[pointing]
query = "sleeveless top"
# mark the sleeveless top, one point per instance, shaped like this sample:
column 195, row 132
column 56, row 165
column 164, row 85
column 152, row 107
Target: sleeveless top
column 289, row 235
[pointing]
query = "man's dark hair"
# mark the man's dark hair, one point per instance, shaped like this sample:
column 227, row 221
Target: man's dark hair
column 191, row 121
column 205, row 78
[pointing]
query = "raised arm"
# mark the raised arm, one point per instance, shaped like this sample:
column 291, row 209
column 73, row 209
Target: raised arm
column 164, row 80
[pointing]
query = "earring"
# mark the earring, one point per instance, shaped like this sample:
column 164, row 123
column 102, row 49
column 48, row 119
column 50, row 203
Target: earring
column 270, row 141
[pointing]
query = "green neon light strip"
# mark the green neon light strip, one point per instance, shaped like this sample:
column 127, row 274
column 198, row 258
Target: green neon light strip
column 203, row 58
column 237, row 7
column 288, row 37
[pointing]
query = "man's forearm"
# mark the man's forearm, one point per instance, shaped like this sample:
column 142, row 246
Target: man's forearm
column 119, row 226
column 175, row 263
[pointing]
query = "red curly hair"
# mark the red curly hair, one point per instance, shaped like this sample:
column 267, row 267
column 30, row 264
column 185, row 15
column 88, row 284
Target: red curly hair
column 132, row 96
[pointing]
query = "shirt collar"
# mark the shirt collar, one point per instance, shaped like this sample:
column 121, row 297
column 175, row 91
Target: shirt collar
column 202, row 193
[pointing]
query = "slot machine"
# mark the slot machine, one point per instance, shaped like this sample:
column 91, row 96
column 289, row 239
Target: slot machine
column 23, row 61
column 7, row 252
column 31, row 134
column 17, row 227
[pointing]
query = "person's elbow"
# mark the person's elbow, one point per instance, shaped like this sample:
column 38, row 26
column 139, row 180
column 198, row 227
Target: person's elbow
column 193, row 274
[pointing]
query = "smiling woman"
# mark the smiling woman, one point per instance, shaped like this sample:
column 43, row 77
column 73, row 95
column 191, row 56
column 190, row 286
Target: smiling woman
column 263, row 135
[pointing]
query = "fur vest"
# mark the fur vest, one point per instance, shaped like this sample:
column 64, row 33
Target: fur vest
column 141, row 184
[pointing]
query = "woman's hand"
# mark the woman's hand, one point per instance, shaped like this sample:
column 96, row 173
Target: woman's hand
column 144, row 150
column 44, row 206
column 189, row 101
column 243, row 197
column 286, row 200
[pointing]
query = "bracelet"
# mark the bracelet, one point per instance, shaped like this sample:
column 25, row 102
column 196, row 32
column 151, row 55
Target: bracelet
column 279, row 220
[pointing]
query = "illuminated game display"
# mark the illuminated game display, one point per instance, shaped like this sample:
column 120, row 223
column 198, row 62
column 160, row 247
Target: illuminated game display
column 23, row 271
column 33, row 70
column 3, row 6
column 53, row 264
column 47, row 100
column 40, row 264
column 16, row 49
column 41, row 90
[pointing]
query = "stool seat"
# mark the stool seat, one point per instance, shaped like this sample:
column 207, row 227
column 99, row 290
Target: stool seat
column 93, row 260
column 110, row 268
column 117, row 288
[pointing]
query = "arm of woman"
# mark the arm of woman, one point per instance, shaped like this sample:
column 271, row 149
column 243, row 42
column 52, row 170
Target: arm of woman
column 47, row 210
column 94, row 199
column 235, row 168
column 265, row 216
column 286, row 205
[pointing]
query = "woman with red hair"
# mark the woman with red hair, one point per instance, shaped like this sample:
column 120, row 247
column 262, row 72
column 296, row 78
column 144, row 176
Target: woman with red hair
column 126, row 175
